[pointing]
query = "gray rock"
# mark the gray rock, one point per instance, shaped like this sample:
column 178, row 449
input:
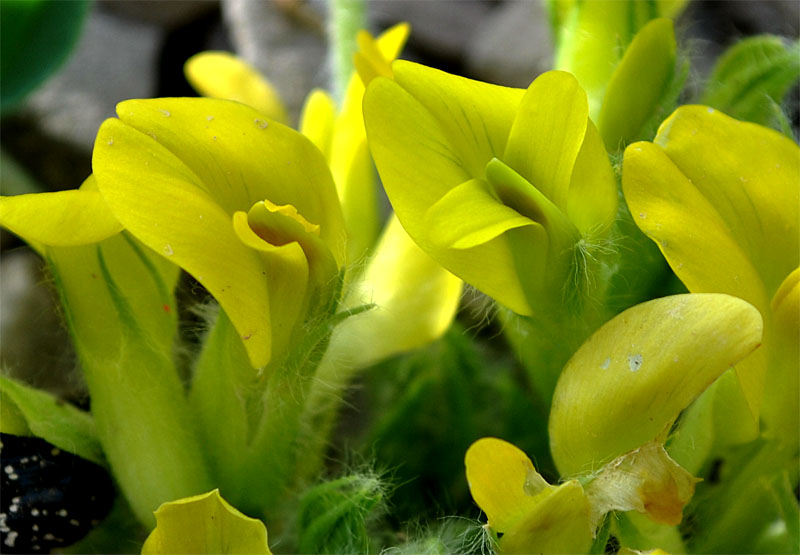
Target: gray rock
column 285, row 41
column 115, row 59
column 442, row 29
column 512, row 46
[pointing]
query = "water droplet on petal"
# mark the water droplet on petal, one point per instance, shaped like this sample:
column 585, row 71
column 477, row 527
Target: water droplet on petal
column 635, row 362
column 261, row 123
column 165, row 113
column 168, row 250
column 606, row 364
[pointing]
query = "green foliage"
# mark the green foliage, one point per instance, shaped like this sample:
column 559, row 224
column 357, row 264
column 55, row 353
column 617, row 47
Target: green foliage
column 428, row 407
column 719, row 520
column 751, row 79
column 333, row 515
column 53, row 420
column 36, row 36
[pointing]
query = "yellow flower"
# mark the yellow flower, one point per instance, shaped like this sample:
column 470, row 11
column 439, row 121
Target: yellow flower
column 613, row 407
column 205, row 523
column 415, row 298
column 721, row 198
column 505, row 188
column 245, row 205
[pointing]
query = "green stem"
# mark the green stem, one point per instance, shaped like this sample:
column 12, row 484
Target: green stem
column 346, row 18
column 138, row 402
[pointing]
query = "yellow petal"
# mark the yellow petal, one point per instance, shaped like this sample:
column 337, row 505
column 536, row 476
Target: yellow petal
column 316, row 120
column 205, row 524
column 282, row 225
column 750, row 175
column 629, row 381
column 468, row 216
column 781, row 413
column 722, row 200
column 223, row 75
column 61, row 219
column 531, row 515
column 416, row 300
column 392, row 40
column 285, row 271
column 547, row 134
column 558, row 524
column 637, row 84
column 164, row 205
column 241, row 158
column 694, row 237
column 503, row 481
column 424, row 145
column 593, row 198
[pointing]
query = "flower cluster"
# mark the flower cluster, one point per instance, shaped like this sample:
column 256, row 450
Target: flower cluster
column 642, row 257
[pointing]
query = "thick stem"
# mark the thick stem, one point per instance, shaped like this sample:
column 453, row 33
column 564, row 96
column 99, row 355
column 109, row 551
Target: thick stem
column 346, row 18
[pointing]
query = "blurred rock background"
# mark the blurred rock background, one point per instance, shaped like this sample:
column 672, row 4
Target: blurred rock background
column 137, row 48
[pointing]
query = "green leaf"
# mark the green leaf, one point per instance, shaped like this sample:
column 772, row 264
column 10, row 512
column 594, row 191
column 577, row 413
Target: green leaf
column 53, row 420
column 36, row 36
column 751, row 505
column 752, row 77
column 635, row 531
column 205, row 524
column 333, row 515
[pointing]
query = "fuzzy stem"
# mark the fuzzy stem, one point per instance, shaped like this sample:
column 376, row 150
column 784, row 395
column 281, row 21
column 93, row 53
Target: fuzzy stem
column 345, row 18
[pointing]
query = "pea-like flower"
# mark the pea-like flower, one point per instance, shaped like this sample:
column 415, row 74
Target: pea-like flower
column 508, row 189
column 721, row 198
column 613, row 408
column 247, row 206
